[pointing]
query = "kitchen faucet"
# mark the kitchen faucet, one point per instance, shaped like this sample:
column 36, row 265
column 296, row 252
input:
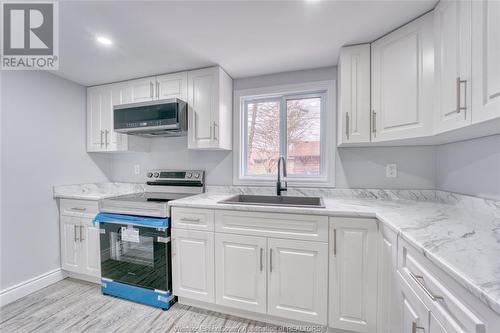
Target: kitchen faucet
column 279, row 187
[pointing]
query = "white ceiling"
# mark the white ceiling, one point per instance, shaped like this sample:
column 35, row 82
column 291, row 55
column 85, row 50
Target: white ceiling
column 247, row 38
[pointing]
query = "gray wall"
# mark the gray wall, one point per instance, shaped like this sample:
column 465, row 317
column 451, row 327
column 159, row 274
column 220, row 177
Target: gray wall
column 470, row 167
column 355, row 167
column 42, row 144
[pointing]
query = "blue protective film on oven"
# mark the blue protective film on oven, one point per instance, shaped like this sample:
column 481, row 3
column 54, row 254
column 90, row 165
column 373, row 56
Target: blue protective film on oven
column 157, row 222
column 156, row 298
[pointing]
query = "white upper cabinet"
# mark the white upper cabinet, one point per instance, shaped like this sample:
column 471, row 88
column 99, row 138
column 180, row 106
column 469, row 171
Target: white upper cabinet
column 297, row 286
column 171, row 86
column 354, row 94
column 353, row 274
column 402, row 82
column 485, row 60
column 210, row 96
column 142, row 90
column 452, row 24
column 101, row 136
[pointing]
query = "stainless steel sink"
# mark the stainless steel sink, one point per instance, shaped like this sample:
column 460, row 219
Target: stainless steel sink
column 274, row 200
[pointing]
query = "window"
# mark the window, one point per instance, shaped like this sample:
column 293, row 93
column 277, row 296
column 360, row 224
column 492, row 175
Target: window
column 289, row 125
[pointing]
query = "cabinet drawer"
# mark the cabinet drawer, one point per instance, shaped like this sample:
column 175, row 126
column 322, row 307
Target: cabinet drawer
column 193, row 218
column 451, row 312
column 86, row 208
column 292, row 226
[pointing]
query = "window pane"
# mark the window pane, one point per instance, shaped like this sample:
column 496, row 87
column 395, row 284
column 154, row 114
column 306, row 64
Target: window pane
column 263, row 121
column 303, row 136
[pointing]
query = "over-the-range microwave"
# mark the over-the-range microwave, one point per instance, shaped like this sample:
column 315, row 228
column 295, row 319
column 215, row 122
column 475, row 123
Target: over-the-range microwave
column 166, row 117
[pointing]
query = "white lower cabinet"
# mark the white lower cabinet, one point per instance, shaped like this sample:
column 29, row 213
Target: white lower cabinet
column 298, row 284
column 414, row 314
column 193, row 264
column 353, row 274
column 240, row 270
column 388, row 304
column 80, row 250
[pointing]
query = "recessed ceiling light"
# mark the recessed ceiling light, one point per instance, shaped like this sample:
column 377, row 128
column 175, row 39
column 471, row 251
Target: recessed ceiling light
column 104, row 40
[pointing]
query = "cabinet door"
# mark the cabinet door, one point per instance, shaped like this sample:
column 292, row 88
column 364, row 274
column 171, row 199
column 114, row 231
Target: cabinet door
column 203, row 102
column 414, row 314
column 193, row 264
column 97, row 101
column 298, row 280
column 388, row 306
column 90, row 258
column 402, row 82
column 353, row 278
column 485, row 60
column 240, row 268
column 453, row 64
column 142, row 90
column 70, row 243
column 354, row 94
column 172, row 86
column 435, row 326
column 120, row 94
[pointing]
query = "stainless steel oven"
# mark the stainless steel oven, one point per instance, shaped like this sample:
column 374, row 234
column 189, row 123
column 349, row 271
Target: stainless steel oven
column 136, row 255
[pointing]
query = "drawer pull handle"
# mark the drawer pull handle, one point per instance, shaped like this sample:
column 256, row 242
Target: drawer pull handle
column 270, row 260
column 414, row 327
column 186, row 219
column 78, row 209
column 419, row 280
column 261, row 253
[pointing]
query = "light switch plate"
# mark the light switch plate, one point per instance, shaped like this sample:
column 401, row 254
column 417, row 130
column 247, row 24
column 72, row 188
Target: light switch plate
column 391, row 170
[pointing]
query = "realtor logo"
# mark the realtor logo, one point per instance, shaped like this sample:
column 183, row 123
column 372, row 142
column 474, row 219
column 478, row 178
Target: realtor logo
column 29, row 35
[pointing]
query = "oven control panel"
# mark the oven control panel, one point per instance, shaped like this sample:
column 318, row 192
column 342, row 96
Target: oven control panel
column 175, row 176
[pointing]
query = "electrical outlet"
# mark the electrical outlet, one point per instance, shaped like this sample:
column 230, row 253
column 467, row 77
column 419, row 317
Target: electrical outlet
column 391, row 170
column 137, row 169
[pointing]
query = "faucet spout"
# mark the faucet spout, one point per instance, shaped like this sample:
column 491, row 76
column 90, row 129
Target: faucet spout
column 279, row 186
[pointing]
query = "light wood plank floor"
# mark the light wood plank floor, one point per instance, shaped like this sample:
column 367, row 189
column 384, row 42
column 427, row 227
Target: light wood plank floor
column 75, row 306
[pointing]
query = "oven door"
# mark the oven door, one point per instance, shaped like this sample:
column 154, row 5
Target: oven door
column 136, row 255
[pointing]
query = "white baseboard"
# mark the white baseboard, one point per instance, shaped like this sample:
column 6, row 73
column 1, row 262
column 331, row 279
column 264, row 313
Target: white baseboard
column 27, row 287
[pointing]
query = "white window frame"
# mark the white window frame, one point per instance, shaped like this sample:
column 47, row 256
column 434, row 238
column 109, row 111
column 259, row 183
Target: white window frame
column 328, row 136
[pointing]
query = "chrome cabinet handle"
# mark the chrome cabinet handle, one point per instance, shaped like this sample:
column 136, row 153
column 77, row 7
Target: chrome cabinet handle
column 102, row 132
column 347, row 125
column 106, row 137
column 185, row 219
column 81, row 233
column 261, row 253
column 419, row 280
column 78, row 209
column 151, row 89
column 334, row 242
column 213, row 126
column 459, row 95
column 270, row 260
column 374, row 123
column 74, row 233
column 414, row 327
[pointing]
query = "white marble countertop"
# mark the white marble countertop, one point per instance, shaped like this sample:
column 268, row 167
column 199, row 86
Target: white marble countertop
column 96, row 191
column 461, row 236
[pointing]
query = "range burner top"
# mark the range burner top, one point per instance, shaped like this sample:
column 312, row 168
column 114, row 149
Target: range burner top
column 161, row 187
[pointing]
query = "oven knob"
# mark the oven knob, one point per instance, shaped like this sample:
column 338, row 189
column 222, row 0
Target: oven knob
column 189, row 175
column 196, row 175
column 150, row 174
column 156, row 175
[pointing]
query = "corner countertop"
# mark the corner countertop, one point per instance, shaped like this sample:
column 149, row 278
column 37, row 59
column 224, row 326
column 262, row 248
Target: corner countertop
column 461, row 236
column 96, row 191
